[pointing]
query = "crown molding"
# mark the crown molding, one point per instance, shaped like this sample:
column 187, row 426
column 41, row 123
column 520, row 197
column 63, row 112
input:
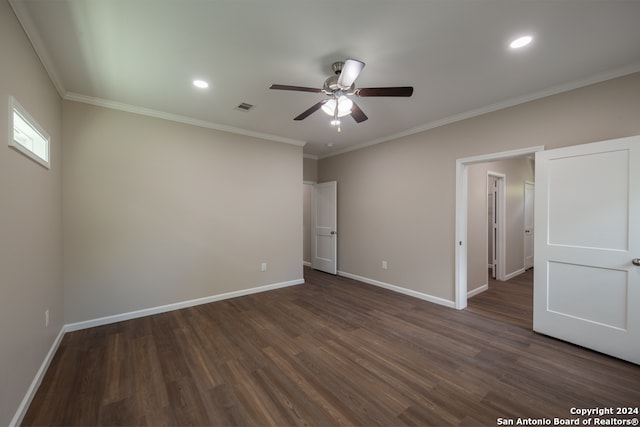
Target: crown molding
column 34, row 37
column 554, row 90
column 29, row 28
column 71, row 96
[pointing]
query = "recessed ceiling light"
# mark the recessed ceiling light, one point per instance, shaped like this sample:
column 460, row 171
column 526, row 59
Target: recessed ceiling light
column 200, row 84
column 520, row 42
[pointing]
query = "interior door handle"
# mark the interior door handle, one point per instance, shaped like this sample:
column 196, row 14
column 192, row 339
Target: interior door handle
column 636, row 261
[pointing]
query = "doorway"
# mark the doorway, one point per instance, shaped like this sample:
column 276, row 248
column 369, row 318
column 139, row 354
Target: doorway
column 462, row 196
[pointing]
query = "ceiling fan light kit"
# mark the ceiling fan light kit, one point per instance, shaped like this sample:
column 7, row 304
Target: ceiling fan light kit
column 339, row 88
column 343, row 105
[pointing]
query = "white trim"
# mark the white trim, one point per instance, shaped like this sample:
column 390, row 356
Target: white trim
column 306, row 263
column 554, row 90
column 39, row 47
column 70, row 327
column 410, row 292
column 37, row 380
column 478, row 290
column 502, row 155
column 71, row 96
column 461, row 214
column 34, row 37
column 515, row 273
column 462, row 190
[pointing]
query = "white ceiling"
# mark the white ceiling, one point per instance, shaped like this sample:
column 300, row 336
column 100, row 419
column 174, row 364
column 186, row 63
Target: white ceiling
column 142, row 55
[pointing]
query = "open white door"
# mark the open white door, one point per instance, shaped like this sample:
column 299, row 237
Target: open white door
column 324, row 222
column 587, row 245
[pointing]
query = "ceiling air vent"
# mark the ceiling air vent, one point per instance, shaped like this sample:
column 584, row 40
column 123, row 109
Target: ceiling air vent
column 244, row 107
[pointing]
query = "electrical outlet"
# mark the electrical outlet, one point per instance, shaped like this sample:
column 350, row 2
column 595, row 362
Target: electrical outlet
column 384, row 265
column 263, row 266
column 46, row 318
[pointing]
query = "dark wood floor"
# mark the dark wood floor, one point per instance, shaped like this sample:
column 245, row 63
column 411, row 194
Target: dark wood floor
column 330, row 352
column 510, row 301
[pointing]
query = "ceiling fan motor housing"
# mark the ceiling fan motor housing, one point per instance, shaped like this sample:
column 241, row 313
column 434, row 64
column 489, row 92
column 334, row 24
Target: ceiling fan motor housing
column 331, row 86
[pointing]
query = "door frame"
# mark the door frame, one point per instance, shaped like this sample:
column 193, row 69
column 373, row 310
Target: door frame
column 307, row 218
column 462, row 193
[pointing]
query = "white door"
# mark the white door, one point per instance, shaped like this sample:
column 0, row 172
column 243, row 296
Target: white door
column 528, row 224
column 587, row 246
column 324, row 220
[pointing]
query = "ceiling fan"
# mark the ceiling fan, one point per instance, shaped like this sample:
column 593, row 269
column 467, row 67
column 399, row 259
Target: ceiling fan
column 339, row 88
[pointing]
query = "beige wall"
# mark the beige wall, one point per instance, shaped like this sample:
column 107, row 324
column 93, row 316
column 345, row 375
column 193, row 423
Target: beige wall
column 517, row 171
column 30, row 222
column 158, row 212
column 396, row 200
column 310, row 172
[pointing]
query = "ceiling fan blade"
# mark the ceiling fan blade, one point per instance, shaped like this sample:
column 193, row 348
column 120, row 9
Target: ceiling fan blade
column 296, row 88
column 311, row 110
column 350, row 72
column 357, row 114
column 385, row 91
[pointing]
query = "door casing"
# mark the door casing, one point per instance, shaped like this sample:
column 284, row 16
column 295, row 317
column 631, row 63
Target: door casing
column 462, row 177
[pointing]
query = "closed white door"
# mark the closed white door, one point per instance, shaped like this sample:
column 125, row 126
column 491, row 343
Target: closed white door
column 587, row 246
column 324, row 220
column 528, row 224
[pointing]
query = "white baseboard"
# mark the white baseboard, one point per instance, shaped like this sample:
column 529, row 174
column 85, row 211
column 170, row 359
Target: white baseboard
column 33, row 388
column 514, row 274
column 410, row 292
column 306, row 263
column 70, row 327
column 477, row 290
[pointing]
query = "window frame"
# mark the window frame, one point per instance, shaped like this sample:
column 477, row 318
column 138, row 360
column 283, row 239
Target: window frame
column 16, row 108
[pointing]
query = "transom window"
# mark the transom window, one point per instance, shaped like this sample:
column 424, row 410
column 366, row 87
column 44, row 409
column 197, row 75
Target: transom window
column 26, row 136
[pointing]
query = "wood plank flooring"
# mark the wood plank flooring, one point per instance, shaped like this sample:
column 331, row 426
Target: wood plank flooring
column 510, row 301
column 330, row 352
